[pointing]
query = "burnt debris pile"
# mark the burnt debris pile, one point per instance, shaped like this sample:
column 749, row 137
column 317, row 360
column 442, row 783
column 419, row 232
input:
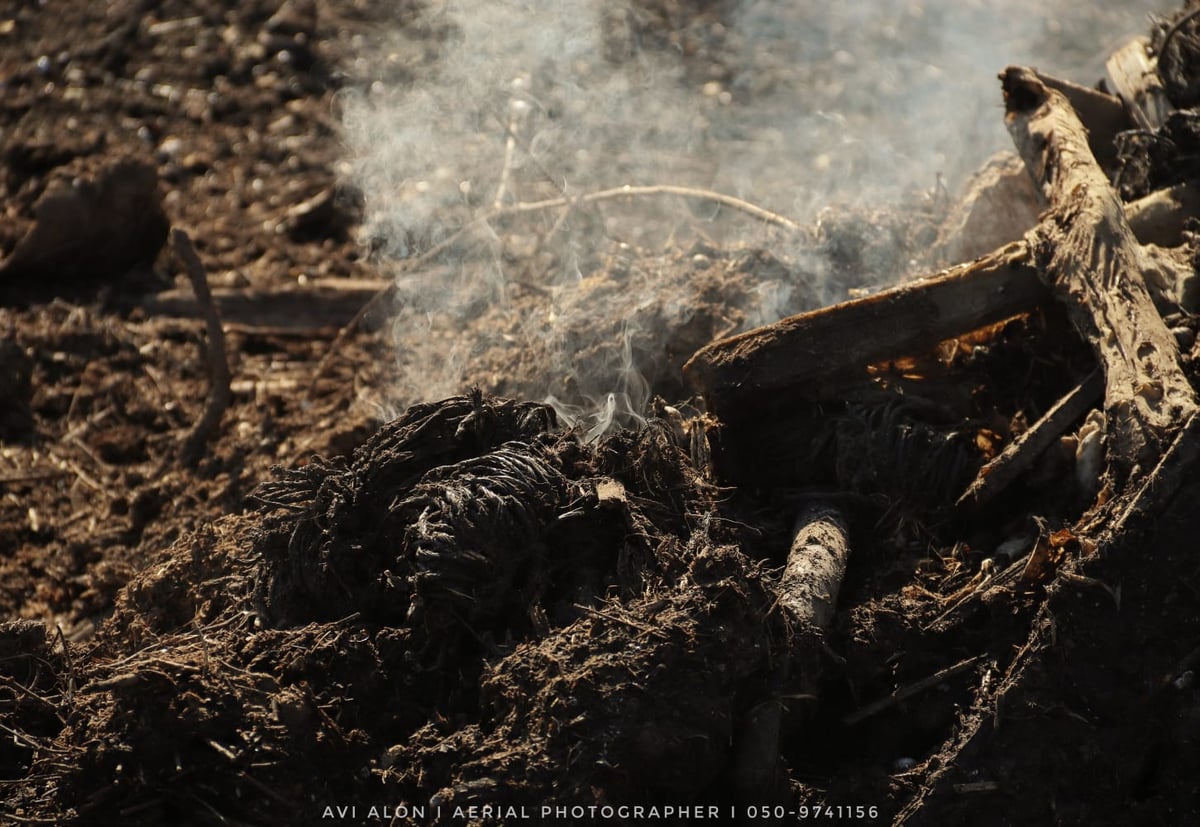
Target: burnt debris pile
column 920, row 550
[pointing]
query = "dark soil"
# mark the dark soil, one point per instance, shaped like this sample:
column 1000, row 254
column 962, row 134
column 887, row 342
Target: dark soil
column 468, row 604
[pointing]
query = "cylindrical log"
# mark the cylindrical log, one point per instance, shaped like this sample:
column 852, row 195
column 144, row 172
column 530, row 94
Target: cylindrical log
column 815, row 566
column 808, row 591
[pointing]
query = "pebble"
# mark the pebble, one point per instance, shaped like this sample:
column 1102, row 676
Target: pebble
column 170, row 146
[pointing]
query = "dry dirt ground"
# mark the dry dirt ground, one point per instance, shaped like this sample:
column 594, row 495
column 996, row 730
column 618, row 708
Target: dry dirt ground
column 465, row 605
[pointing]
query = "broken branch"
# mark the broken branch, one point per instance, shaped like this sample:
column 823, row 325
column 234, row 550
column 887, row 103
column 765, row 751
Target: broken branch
column 218, row 360
column 906, row 692
column 808, row 589
column 816, row 564
column 1087, row 253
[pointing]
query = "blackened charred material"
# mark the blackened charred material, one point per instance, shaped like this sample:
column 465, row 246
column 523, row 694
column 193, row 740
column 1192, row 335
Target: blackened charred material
column 340, row 551
column 1152, row 160
column 907, row 450
column 1176, row 42
column 913, row 451
column 472, row 529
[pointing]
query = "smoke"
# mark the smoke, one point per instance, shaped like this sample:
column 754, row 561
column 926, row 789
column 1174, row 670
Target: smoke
column 476, row 129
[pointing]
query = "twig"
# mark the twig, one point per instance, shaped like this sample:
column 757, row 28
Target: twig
column 33, row 476
column 985, row 581
column 32, row 819
column 13, row 684
column 20, row 736
column 263, row 788
column 629, row 191
column 218, row 359
column 904, row 693
column 79, row 473
column 517, row 109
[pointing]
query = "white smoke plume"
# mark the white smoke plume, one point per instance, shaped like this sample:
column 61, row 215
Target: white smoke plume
column 477, row 107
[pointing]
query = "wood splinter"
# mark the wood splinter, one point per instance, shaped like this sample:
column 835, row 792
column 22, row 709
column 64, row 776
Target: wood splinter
column 1020, row 454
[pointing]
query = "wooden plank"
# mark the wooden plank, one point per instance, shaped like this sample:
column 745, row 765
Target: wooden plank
column 837, row 343
column 1135, row 79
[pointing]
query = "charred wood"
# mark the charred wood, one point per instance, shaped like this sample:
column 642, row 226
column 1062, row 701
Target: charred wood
column 835, row 344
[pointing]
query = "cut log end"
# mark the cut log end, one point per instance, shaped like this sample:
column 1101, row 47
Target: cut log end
column 1023, row 90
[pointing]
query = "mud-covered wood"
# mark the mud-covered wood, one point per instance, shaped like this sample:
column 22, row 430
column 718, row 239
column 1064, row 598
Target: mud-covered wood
column 1087, row 253
column 840, row 341
column 807, row 593
column 816, row 564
